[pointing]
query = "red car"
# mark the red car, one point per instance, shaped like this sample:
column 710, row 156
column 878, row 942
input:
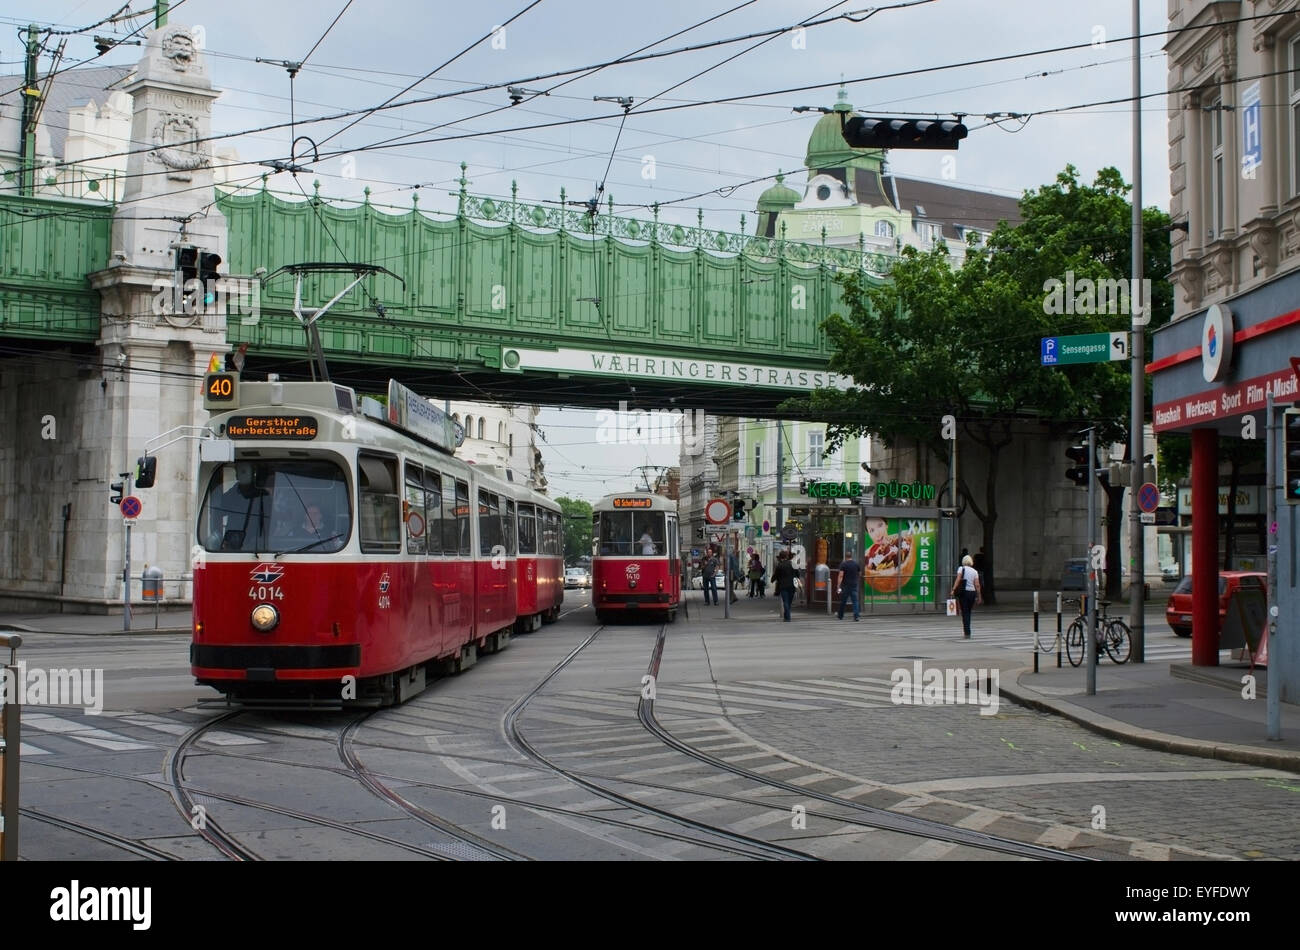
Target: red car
column 1179, row 610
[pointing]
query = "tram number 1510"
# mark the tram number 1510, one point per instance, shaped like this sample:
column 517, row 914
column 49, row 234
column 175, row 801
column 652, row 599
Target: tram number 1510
column 266, row 593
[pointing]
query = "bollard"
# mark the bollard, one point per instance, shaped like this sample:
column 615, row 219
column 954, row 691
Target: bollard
column 1035, row 631
column 1058, row 630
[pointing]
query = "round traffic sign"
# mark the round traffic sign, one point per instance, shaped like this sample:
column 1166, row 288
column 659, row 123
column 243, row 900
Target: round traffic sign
column 1148, row 497
column 717, row 511
column 131, row 507
column 789, row 532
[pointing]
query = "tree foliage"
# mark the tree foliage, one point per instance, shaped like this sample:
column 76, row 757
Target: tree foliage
column 934, row 341
column 577, row 528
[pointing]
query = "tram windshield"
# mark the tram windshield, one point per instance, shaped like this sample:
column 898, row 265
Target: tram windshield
column 630, row 533
column 281, row 506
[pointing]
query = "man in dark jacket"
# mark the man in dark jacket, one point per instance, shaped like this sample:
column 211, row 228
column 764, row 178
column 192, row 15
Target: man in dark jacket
column 709, row 571
column 783, row 577
column 850, row 574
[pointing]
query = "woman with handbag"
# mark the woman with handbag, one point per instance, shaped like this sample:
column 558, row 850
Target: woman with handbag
column 966, row 588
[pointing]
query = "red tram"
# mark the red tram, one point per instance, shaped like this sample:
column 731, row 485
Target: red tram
column 635, row 565
column 343, row 549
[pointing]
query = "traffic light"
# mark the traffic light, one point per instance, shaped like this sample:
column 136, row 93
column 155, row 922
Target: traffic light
column 118, row 489
column 738, row 509
column 1079, row 474
column 864, row 132
column 208, row 275
column 146, row 468
column 1291, row 457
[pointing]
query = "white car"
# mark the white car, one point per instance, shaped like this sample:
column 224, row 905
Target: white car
column 576, row 577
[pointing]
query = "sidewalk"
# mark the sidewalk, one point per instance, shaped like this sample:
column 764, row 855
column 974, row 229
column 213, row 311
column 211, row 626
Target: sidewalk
column 175, row 621
column 1173, row 707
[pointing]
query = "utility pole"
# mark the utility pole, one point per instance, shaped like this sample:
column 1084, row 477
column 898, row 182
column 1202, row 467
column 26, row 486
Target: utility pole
column 31, row 113
column 1089, row 633
column 1137, row 348
column 780, row 476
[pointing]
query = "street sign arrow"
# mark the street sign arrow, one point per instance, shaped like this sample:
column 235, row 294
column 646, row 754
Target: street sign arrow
column 1119, row 346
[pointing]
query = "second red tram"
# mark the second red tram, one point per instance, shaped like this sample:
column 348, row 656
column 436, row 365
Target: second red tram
column 635, row 565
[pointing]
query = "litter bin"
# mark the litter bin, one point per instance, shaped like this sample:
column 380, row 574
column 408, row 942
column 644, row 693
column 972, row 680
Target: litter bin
column 153, row 583
column 152, row 588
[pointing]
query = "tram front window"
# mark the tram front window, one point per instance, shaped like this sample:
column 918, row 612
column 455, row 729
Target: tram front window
column 616, row 535
column 648, row 530
column 275, row 505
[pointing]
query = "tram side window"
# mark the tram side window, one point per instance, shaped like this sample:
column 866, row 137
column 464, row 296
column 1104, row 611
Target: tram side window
column 415, row 514
column 554, row 541
column 489, row 523
column 528, row 529
column 379, row 505
column 462, row 517
column 450, row 524
column 510, row 528
column 558, row 549
column 433, row 510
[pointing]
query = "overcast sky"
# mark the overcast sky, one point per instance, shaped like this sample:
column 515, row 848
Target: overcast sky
column 378, row 47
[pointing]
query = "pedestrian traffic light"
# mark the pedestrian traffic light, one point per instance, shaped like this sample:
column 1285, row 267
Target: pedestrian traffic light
column 146, row 467
column 1291, row 455
column 738, row 509
column 1080, row 473
column 208, row 264
column 118, row 491
column 864, row 132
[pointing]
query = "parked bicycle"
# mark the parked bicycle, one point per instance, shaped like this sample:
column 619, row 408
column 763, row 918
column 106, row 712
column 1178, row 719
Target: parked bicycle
column 1113, row 636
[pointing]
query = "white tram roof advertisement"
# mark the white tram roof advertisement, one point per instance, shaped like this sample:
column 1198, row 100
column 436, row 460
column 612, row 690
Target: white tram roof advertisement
column 409, row 410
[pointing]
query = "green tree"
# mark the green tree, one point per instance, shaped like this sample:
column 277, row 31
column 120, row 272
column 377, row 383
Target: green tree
column 934, row 341
column 577, row 528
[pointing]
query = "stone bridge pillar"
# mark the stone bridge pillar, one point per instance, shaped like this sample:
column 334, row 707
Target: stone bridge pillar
column 155, row 348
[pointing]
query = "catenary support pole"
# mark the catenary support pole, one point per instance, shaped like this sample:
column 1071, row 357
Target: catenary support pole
column 1141, row 308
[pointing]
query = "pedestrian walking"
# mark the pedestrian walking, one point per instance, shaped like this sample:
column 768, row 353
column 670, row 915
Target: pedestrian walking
column 850, row 575
column 756, row 573
column 968, row 591
column 709, row 572
column 783, row 576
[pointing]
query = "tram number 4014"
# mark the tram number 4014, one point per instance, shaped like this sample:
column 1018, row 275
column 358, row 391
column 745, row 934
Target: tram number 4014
column 266, row 593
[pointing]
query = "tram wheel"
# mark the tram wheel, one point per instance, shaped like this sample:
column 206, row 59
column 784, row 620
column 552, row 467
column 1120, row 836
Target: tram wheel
column 672, row 616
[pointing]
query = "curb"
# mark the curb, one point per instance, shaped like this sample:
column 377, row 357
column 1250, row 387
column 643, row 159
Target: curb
column 176, row 631
column 1150, row 739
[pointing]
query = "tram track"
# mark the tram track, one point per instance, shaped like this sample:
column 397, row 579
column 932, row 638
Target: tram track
column 734, row 842
column 871, row 817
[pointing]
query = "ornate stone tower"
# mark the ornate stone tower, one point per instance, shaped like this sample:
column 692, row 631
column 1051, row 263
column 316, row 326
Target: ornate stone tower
column 154, row 344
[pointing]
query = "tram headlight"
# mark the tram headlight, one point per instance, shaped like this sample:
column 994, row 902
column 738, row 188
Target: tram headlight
column 264, row 618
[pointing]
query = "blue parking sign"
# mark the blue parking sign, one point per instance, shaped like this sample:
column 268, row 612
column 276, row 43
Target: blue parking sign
column 1051, row 347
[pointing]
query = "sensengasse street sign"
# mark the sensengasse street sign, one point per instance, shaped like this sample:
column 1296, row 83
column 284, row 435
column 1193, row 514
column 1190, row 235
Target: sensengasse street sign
column 1084, row 348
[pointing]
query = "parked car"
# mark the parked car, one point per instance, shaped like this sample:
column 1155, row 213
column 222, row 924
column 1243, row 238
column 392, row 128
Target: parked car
column 1178, row 612
column 577, row 577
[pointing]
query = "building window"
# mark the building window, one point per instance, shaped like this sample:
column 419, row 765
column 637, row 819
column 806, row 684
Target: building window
column 511, row 453
column 501, row 431
column 1293, row 92
column 815, row 443
column 1216, row 169
column 469, row 426
column 758, row 459
column 884, row 229
column 480, row 427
